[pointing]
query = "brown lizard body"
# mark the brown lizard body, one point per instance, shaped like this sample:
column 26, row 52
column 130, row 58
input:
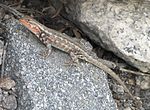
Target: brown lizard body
column 50, row 37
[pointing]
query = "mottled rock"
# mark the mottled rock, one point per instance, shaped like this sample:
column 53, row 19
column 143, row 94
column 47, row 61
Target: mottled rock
column 121, row 27
column 47, row 84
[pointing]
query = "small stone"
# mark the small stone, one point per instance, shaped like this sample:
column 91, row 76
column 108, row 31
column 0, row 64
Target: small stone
column 145, row 85
column 138, row 81
column 118, row 89
column 143, row 82
column 6, row 17
column 10, row 102
column 7, row 83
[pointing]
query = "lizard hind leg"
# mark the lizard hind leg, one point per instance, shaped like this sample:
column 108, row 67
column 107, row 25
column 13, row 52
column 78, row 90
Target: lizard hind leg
column 47, row 52
column 74, row 60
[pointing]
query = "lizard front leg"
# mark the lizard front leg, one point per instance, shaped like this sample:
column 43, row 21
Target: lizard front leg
column 74, row 57
column 47, row 52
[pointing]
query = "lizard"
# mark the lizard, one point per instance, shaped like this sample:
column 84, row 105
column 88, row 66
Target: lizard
column 52, row 38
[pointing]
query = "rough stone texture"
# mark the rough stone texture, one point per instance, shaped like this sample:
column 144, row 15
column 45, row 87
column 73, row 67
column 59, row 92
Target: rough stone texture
column 123, row 28
column 46, row 84
column 8, row 100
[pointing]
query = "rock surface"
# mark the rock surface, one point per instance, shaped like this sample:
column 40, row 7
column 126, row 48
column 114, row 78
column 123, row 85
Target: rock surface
column 46, row 84
column 8, row 100
column 122, row 28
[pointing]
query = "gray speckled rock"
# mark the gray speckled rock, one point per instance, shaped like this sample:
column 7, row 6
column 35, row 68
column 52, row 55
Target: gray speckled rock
column 123, row 28
column 46, row 84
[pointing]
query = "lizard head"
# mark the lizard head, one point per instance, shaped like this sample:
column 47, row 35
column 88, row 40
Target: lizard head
column 31, row 25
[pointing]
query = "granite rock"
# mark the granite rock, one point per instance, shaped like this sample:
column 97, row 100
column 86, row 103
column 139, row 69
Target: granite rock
column 46, row 83
column 118, row 26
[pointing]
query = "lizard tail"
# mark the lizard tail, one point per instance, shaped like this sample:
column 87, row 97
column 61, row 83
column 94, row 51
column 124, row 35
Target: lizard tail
column 109, row 71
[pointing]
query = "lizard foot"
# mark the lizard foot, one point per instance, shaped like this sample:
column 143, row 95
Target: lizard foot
column 46, row 53
column 71, row 63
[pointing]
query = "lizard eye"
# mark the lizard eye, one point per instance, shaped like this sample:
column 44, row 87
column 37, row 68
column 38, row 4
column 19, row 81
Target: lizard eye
column 43, row 34
column 82, row 57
